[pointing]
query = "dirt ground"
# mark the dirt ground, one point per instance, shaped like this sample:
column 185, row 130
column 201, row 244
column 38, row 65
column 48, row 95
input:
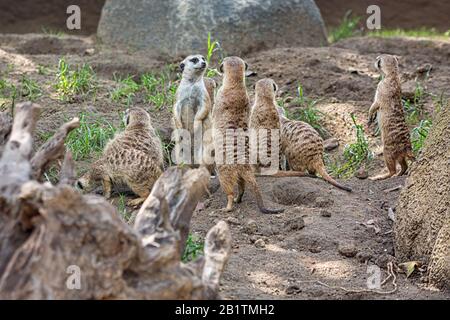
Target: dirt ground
column 325, row 234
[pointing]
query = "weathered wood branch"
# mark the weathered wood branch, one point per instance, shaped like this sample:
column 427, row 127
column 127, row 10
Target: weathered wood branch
column 56, row 243
column 53, row 149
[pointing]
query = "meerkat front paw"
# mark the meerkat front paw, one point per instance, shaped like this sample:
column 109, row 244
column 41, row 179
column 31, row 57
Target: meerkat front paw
column 135, row 202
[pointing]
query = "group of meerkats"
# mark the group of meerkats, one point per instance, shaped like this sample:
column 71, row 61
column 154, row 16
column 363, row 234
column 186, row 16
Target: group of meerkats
column 134, row 157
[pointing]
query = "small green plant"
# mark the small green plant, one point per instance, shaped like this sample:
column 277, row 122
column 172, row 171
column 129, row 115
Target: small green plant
column 212, row 47
column 8, row 94
column 90, row 137
column 194, row 248
column 346, row 29
column 30, row 89
column 307, row 111
column 419, row 134
column 53, row 32
column 414, row 108
column 122, row 208
column 159, row 89
column 355, row 154
column 71, row 82
column 126, row 90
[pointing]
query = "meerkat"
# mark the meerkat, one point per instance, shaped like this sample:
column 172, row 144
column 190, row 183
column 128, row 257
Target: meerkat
column 264, row 115
column 394, row 131
column 133, row 157
column 211, row 86
column 303, row 148
column 231, row 113
column 192, row 109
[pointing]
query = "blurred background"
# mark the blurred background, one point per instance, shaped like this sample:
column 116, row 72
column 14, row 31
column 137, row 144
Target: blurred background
column 25, row 16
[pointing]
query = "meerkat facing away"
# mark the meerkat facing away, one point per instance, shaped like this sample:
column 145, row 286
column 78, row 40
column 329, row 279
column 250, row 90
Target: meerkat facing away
column 133, row 157
column 303, row 148
column 264, row 115
column 394, row 131
column 231, row 113
column 192, row 109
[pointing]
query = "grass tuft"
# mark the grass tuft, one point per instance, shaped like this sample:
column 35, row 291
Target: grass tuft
column 346, row 29
column 90, row 137
column 71, row 82
column 194, row 248
column 355, row 154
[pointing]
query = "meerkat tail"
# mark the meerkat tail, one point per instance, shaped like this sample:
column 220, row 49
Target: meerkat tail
column 323, row 172
column 289, row 173
column 250, row 180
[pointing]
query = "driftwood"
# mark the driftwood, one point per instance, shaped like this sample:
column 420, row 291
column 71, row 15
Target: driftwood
column 56, row 243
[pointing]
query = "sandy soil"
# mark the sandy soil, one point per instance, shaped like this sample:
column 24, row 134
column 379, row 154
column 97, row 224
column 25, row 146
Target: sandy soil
column 301, row 246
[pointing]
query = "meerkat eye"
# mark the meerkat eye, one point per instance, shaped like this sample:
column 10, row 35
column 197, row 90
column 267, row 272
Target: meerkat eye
column 79, row 185
column 194, row 60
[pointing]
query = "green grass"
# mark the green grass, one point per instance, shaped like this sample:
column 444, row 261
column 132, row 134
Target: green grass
column 416, row 33
column 414, row 107
column 125, row 91
column 212, row 47
column 346, row 29
column 30, row 89
column 71, row 81
column 90, row 137
column 419, row 134
column 122, row 207
column 8, row 94
column 52, row 32
column 194, row 248
column 354, row 155
column 159, row 89
column 307, row 111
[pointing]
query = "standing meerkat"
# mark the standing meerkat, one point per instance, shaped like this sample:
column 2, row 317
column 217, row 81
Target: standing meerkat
column 303, row 148
column 133, row 157
column 231, row 113
column 394, row 131
column 264, row 115
column 192, row 109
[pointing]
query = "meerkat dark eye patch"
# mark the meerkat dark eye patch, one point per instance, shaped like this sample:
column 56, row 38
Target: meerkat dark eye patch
column 379, row 63
column 79, row 185
column 194, row 60
column 221, row 68
column 246, row 66
column 182, row 66
column 274, row 87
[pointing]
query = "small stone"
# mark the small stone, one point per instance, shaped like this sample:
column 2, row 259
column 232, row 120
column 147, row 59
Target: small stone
column 232, row 220
column 251, row 227
column 330, row 144
column 347, row 249
column 363, row 256
column 253, row 239
column 315, row 249
column 362, row 173
column 323, row 202
column 325, row 213
column 260, row 243
column 293, row 289
column 89, row 51
column 294, row 224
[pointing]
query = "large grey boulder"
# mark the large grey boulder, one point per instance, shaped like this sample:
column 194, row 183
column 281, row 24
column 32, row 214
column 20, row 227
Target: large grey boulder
column 179, row 27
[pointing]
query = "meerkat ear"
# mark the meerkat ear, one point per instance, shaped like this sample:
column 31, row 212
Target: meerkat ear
column 182, row 66
column 221, row 68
